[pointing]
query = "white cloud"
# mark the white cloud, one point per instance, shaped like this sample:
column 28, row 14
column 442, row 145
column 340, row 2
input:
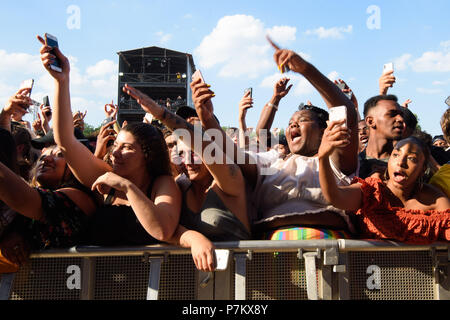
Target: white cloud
column 432, row 61
column 188, row 16
column 401, row 63
column 441, row 83
column 429, row 91
column 163, row 38
column 91, row 87
column 333, row 75
column 333, row 33
column 238, row 45
column 102, row 68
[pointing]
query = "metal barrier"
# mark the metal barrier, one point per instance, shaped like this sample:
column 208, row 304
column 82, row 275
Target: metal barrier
column 261, row 270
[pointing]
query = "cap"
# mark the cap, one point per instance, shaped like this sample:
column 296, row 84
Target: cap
column 49, row 139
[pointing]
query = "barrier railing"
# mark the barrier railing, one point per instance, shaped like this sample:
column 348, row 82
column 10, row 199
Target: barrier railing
column 258, row 270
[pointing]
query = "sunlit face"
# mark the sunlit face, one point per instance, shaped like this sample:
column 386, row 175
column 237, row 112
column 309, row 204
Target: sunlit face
column 387, row 118
column 50, row 167
column 363, row 132
column 304, row 133
column 406, row 164
column 127, row 157
column 195, row 168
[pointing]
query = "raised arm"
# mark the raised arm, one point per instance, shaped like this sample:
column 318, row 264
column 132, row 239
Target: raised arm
column 16, row 103
column 346, row 159
column 85, row 166
column 245, row 104
column 228, row 177
column 342, row 197
column 281, row 89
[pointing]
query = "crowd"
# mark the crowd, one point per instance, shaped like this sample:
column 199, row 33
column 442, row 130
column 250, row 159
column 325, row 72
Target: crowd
column 379, row 177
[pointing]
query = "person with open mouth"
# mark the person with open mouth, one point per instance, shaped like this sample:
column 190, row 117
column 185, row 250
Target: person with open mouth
column 398, row 207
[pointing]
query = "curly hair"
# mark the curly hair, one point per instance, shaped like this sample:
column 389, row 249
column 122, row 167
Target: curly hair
column 154, row 147
column 445, row 125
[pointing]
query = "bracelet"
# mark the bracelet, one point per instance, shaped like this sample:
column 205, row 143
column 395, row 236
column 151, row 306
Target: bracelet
column 273, row 106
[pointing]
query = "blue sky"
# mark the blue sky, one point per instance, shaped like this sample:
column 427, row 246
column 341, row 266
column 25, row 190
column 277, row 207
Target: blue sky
column 227, row 41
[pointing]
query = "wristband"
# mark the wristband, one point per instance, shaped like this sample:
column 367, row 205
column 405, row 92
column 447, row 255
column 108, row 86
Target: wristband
column 273, row 106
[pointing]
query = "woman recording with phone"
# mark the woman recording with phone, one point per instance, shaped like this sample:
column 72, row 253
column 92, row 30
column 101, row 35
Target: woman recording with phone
column 141, row 200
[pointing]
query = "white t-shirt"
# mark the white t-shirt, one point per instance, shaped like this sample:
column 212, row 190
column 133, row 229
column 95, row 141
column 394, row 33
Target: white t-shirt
column 291, row 187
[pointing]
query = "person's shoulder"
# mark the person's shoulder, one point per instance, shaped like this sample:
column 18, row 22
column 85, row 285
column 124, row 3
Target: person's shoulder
column 81, row 198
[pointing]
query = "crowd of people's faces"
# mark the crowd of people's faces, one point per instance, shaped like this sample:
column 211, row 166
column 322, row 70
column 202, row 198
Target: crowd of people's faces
column 127, row 163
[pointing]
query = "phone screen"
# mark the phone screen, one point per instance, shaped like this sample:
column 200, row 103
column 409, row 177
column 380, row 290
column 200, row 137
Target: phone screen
column 52, row 42
column 338, row 113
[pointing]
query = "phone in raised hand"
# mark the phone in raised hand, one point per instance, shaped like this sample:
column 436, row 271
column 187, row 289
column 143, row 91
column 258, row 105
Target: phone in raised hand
column 46, row 103
column 27, row 84
column 198, row 74
column 388, row 67
column 448, row 101
column 338, row 113
column 249, row 90
column 52, row 41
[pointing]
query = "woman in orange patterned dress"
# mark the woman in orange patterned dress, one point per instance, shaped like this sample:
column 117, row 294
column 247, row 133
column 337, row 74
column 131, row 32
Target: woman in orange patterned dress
column 398, row 207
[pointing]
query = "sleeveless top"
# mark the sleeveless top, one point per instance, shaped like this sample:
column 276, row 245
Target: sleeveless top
column 215, row 221
column 118, row 225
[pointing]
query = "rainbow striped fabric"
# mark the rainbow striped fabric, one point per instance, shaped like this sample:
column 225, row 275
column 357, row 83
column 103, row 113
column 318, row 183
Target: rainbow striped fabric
column 301, row 233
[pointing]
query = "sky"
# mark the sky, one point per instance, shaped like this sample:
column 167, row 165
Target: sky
column 349, row 40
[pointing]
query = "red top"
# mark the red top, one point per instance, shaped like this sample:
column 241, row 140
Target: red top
column 379, row 220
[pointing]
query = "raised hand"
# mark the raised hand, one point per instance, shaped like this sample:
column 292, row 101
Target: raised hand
column 287, row 59
column 386, row 81
column 18, row 103
column 47, row 59
column 37, row 124
column 406, row 103
column 281, row 89
column 111, row 110
column 348, row 91
column 245, row 104
column 202, row 95
column 106, row 134
column 147, row 103
column 78, row 120
column 334, row 136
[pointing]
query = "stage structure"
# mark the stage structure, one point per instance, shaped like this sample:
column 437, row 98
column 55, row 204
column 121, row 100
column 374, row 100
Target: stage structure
column 162, row 74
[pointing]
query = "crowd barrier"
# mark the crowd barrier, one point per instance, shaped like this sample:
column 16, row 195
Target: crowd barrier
column 257, row 270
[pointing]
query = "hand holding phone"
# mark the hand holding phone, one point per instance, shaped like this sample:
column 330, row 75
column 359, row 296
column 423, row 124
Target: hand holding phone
column 448, row 101
column 198, row 74
column 27, row 84
column 338, row 113
column 249, row 90
column 52, row 41
column 388, row 67
column 46, row 103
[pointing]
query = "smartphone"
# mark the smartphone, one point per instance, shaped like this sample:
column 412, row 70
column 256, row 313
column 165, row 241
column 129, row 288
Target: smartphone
column 388, row 67
column 149, row 117
column 198, row 74
column 448, row 101
column 46, row 102
column 222, row 259
column 249, row 90
column 342, row 87
column 338, row 113
column 51, row 41
column 27, row 84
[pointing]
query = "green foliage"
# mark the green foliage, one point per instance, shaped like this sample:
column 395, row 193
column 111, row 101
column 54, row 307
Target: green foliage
column 89, row 130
